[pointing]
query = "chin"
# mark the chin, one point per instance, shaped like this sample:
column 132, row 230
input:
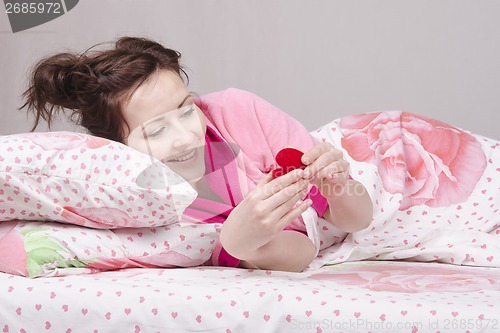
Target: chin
column 192, row 176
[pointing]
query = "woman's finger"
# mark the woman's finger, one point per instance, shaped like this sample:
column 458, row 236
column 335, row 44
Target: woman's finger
column 337, row 168
column 315, row 152
column 293, row 214
column 266, row 179
column 327, row 158
column 277, row 185
column 289, row 204
column 289, row 195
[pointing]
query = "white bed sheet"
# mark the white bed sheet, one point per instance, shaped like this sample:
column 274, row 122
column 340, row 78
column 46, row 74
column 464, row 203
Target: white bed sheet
column 368, row 296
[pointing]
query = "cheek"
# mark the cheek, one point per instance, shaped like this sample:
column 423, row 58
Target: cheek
column 154, row 148
column 138, row 145
column 159, row 150
column 200, row 125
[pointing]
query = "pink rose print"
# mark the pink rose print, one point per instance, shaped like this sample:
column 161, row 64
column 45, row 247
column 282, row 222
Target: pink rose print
column 101, row 217
column 427, row 161
column 412, row 279
column 13, row 256
column 168, row 259
column 109, row 264
column 66, row 141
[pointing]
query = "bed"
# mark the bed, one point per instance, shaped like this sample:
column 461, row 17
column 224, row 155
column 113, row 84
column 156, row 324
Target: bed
column 429, row 262
column 368, row 296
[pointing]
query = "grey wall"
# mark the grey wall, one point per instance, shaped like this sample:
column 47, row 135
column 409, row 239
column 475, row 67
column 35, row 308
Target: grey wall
column 317, row 59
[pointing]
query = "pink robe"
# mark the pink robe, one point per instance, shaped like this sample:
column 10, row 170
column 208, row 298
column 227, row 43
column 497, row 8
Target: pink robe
column 244, row 134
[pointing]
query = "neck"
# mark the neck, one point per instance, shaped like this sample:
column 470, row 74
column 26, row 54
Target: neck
column 204, row 191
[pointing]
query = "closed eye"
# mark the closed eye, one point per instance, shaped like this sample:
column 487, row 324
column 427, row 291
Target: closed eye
column 188, row 112
column 156, row 133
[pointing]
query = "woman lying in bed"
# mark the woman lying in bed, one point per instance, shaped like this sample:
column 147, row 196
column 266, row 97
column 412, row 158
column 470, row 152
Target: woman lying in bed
column 134, row 93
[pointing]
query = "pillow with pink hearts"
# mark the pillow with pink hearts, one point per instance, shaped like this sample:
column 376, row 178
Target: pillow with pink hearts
column 81, row 179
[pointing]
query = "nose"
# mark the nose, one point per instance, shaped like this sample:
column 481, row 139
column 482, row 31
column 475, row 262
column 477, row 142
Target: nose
column 182, row 137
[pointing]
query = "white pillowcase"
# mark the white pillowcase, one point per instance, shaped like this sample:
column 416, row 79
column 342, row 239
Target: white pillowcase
column 89, row 181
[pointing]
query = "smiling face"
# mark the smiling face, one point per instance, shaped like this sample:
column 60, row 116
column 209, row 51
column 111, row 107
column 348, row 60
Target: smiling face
column 164, row 122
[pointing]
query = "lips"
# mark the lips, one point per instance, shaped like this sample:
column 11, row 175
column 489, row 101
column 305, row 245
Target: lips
column 184, row 157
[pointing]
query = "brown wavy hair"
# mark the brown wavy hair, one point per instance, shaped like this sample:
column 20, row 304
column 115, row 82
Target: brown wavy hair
column 94, row 84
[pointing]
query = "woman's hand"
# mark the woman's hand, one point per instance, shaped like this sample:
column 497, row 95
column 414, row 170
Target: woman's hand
column 326, row 168
column 266, row 210
column 350, row 206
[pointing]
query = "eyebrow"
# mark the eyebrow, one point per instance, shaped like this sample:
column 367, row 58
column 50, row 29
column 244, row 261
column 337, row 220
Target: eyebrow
column 161, row 117
column 184, row 100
